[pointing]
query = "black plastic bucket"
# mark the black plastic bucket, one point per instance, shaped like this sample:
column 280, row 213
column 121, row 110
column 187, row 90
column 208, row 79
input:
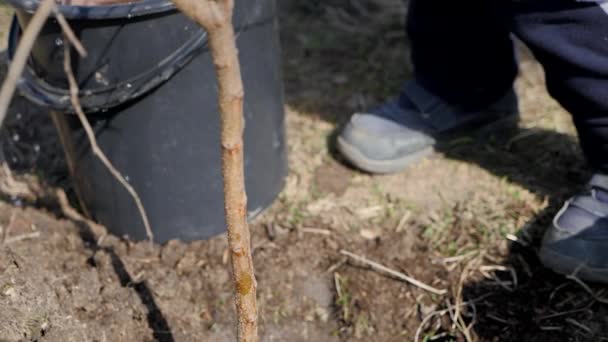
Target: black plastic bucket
column 149, row 89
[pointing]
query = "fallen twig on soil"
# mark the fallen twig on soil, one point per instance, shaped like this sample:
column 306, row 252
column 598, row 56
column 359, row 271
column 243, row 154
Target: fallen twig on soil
column 337, row 265
column 426, row 320
column 579, row 325
column 68, row 211
column 22, row 237
column 12, row 187
column 550, row 328
column 499, row 319
column 315, row 231
column 401, row 225
column 509, row 286
column 459, row 258
column 341, row 299
column 22, row 54
column 524, row 265
column 457, row 320
column 586, row 287
column 74, row 90
column 560, row 314
column 433, row 314
column 11, row 222
column 557, row 289
column 398, row 275
column 514, row 238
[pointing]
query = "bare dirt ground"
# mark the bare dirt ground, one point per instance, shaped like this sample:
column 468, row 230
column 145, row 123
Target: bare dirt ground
column 467, row 220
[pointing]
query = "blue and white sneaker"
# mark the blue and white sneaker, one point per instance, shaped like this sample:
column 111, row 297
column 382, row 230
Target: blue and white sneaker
column 577, row 241
column 396, row 134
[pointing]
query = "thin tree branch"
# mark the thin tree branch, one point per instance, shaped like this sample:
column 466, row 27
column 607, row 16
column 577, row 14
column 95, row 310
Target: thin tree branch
column 65, row 137
column 215, row 16
column 396, row 274
column 22, row 54
column 18, row 238
column 74, row 90
column 69, row 33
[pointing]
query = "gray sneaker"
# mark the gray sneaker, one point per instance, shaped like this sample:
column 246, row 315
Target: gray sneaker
column 577, row 241
column 389, row 138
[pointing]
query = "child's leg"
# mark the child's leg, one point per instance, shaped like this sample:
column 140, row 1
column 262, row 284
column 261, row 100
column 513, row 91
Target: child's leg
column 464, row 68
column 461, row 50
column 570, row 39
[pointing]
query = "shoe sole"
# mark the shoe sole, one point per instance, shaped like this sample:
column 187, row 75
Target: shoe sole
column 567, row 265
column 360, row 161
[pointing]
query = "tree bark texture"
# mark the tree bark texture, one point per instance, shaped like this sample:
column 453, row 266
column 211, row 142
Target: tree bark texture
column 215, row 16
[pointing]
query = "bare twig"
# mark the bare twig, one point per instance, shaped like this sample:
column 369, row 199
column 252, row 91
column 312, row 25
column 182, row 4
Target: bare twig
column 587, row 289
column 442, row 312
column 459, row 322
column 69, row 150
column 550, row 328
column 215, row 16
column 457, row 319
column 4, row 232
column 509, row 286
column 22, row 53
column 341, row 298
column 396, row 274
column 499, row 319
column 68, row 211
column 69, row 33
column 557, row 289
column 459, row 258
column 566, row 301
column 67, row 65
column 401, row 225
column 22, row 237
column 9, row 227
column 337, row 284
column 12, row 187
column 579, row 325
column 426, row 320
column 337, row 265
column 18, row 64
column 560, row 314
column 524, row 265
column 316, row 231
column 514, row 238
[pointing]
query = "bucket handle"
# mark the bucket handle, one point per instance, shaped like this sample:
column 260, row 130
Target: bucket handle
column 36, row 90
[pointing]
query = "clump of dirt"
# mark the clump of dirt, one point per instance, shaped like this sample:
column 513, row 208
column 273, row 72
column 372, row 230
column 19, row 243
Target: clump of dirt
column 68, row 283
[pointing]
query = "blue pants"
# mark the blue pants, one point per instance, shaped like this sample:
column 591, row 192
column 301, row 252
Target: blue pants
column 463, row 52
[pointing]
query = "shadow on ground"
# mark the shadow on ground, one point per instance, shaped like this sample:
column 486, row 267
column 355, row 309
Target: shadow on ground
column 335, row 66
column 537, row 305
column 30, row 145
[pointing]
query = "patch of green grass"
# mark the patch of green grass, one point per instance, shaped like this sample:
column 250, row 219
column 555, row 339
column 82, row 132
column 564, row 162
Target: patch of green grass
column 473, row 224
column 363, row 326
column 296, row 215
column 343, row 297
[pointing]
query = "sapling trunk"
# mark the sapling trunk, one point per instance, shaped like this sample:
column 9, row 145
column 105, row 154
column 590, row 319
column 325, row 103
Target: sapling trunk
column 215, row 16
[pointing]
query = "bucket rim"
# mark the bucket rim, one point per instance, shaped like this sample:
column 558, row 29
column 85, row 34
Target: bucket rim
column 117, row 11
column 36, row 90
